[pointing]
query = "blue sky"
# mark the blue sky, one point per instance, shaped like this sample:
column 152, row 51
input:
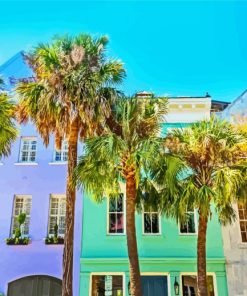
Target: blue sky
column 168, row 47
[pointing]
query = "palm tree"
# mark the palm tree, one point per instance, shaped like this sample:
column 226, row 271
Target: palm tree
column 124, row 153
column 8, row 131
column 70, row 98
column 212, row 158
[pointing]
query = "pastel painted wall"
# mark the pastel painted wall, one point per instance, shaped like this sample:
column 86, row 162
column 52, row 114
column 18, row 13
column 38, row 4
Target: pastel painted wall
column 40, row 181
column 235, row 250
column 169, row 253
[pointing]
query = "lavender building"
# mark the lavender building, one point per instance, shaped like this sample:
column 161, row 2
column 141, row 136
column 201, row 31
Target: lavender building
column 32, row 180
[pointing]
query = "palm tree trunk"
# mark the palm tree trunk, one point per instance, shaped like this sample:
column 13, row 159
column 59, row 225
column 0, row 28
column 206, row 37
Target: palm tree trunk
column 135, row 277
column 201, row 256
column 67, row 287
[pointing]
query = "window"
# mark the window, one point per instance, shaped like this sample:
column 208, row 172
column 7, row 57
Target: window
column 189, row 226
column 151, row 222
column 22, row 204
column 116, row 215
column 62, row 155
column 57, row 214
column 103, row 285
column 189, row 285
column 242, row 211
column 28, row 150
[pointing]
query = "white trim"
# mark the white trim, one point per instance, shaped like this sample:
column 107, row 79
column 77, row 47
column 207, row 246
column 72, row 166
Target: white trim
column 107, row 217
column 61, row 151
column 195, row 274
column 26, row 163
column 1, row 163
column 151, row 234
column 241, row 244
column 107, row 273
column 196, row 226
column 58, row 163
column 54, row 195
column 27, row 138
column 13, row 216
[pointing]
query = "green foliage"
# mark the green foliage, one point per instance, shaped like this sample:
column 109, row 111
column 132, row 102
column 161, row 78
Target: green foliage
column 130, row 143
column 216, row 171
column 18, row 241
column 55, row 230
column 8, row 131
column 21, row 218
column 17, row 233
column 74, row 79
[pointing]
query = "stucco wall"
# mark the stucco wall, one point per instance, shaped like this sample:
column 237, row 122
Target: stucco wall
column 39, row 181
column 236, row 259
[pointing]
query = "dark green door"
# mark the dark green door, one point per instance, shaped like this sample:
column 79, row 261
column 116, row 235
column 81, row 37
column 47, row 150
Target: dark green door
column 154, row 285
column 35, row 286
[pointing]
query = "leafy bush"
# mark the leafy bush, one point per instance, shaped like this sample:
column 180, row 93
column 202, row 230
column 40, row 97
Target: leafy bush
column 17, row 241
column 54, row 240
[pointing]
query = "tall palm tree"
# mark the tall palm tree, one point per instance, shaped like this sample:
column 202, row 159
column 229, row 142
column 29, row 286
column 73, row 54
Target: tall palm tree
column 70, row 98
column 212, row 158
column 124, row 153
column 8, row 131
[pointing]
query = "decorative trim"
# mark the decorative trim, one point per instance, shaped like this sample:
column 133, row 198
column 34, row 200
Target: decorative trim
column 58, row 163
column 175, row 260
column 107, row 273
column 26, row 163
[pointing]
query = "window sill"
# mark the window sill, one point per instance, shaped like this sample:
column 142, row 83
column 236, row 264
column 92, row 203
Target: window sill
column 26, row 163
column 1, row 163
column 188, row 234
column 151, row 234
column 242, row 245
column 116, row 234
column 58, row 163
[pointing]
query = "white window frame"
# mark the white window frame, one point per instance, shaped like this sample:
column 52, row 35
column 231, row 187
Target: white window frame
column 28, row 151
column 24, row 197
column 143, row 224
column 195, row 274
column 240, row 232
column 62, row 151
column 107, row 273
column 59, row 196
column 108, row 219
column 196, row 225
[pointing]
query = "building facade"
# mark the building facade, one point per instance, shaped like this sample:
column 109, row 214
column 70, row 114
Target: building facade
column 167, row 251
column 235, row 235
column 32, row 181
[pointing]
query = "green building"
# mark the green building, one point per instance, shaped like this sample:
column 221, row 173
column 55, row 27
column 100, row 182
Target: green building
column 167, row 250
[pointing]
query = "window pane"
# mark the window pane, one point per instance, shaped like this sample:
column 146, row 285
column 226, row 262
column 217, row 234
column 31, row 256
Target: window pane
column 242, row 211
column 28, row 150
column 112, row 205
column 120, row 223
column 22, row 204
column 116, row 215
column 62, row 155
column 120, row 204
column 189, row 225
column 111, row 285
column 155, row 223
column 112, row 223
column 57, row 214
column 147, row 223
column 189, row 285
